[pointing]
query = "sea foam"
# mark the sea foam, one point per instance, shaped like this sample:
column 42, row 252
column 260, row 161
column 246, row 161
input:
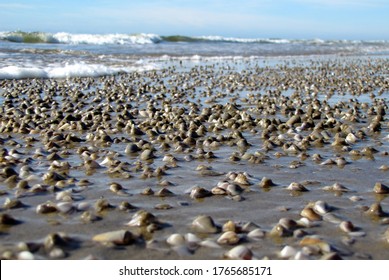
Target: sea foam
column 69, row 70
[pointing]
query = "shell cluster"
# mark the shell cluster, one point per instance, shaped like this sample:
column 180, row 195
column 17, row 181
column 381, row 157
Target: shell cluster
column 232, row 159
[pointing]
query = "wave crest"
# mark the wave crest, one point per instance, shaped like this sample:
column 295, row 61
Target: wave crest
column 69, row 38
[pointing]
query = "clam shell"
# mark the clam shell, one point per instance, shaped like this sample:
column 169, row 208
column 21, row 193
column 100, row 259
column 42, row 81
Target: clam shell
column 199, row 192
column 256, row 234
column 65, row 207
column 386, row 235
column 297, row 187
column 347, row 226
column 176, row 239
column 309, row 213
column 205, row 224
column 242, row 179
column 6, row 219
column 321, row 207
column 288, row 252
column 147, row 155
column 234, row 189
column 266, row 183
column 240, row 252
column 380, row 188
column 46, row 208
column 142, row 218
column 119, row 237
column 229, row 238
column 164, row 192
column 376, row 210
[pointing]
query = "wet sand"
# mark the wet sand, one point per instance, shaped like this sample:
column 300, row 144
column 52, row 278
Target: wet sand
column 317, row 122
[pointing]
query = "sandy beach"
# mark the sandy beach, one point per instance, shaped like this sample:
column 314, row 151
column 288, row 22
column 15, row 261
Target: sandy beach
column 241, row 159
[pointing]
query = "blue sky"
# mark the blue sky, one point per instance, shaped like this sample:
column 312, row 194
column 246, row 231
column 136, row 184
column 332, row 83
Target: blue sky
column 294, row 19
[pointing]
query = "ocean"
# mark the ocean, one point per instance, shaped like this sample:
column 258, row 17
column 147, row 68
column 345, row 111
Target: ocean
column 62, row 55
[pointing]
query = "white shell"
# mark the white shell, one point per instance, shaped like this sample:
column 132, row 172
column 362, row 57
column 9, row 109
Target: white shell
column 26, row 255
column 240, row 252
column 321, row 207
column 175, row 239
column 288, row 252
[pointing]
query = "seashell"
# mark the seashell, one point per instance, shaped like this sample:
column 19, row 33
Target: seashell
column 46, row 208
column 341, row 161
column 249, row 226
column 384, row 167
column 165, row 183
column 142, row 218
column 6, row 219
column 305, row 222
column 288, row 224
column 386, row 235
column 132, row 148
column 288, row 252
column 240, row 252
column 89, row 217
column 125, row 206
column 242, row 179
column 209, row 244
column 164, row 192
column 375, row 210
column 25, row 255
column 147, row 191
column 176, row 239
column 299, row 233
column 147, row 155
column 199, row 192
column 336, row 187
column 328, row 162
column 356, row 198
column 102, row 204
column 229, row 226
column 64, row 196
column 22, row 185
column 297, row 187
column 205, row 224
column 301, row 256
column 310, row 214
column 266, row 183
column 218, row 191
column 256, row 234
column 13, row 203
column 163, row 206
column 280, row 231
column 331, row 256
column 83, row 206
column 234, row 189
column 351, row 138
column 169, row 158
column 119, row 237
column 192, row 240
column 57, row 253
column 8, row 172
column 347, row 226
column 228, row 238
column 321, row 207
column 65, row 207
column 115, row 187
column 332, row 218
column 57, row 239
column 52, row 176
column 380, row 188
